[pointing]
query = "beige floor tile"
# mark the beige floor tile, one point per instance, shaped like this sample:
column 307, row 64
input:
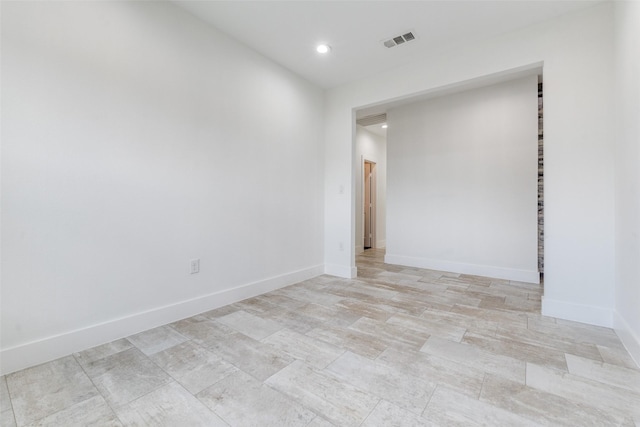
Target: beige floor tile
column 194, row 367
column 613, row 400
column 170, row 405
column 249, row 324
column 400, row 276
column 433, row 369
column 576, row 332
column 7, row 419
column 543, row 356
column 498, row 316
column 373, row 289
column 314, row 352
column 294, row 320
column 338, row 401
column 251, row 356
column 241, row 400
column 617, row 356
column 543, row 408
column 541, row 339
column 605, row 373
column 5, row 402
column 393, row 335
column 469, row 323
column 202, row 330
column 157, row 339
column 125, row 376
column 428, row 325
column 320, row 422
column 328, row 315
column 281, row 301
column 410, row 392
column 425, row 300
column 450, row 408
column 365, row 309
column 363, row 344
column 90, row 412
column 48, row 388
column 309, row 295
column 256, row 305
column 389, row 415
column 219, row 312
column 101, row 351
column 473, row 356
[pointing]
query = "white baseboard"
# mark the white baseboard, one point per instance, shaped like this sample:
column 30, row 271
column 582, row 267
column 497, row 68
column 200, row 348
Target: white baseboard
column 461, row 268
column 343, row 271
column 629, row 337
column 359, row 249
column 381, row 244
column 592, row 315
column 36, row 352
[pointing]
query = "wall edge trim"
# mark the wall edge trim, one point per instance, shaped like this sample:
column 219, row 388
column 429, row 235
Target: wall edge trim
column 53, row 347
column 343, row 271
column 529, row 276
column 589, row 314
column 629, row 338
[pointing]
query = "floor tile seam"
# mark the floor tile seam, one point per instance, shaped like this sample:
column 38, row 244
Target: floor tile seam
column 427, row 383
column 306, row 336
column 207, row 406
column 611, row 339
column 293, row 397
column 289, row 397
column 11, row 408
column 104, row 357
column 106, row 401
column 553, row 346
column 32, row 422
column 587, row 403
column 516, row 358
column 435, row 389
column 527, row 416
column 177, row 384
column 167, row 325
column 13, row 415
column 490, row 355
column 616, row 367
column 227, row 360
column 609, row 388
column 364, row 420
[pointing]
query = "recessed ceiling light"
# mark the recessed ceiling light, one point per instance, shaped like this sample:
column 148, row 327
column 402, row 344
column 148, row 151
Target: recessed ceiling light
column 384, row 126
column 323, row 48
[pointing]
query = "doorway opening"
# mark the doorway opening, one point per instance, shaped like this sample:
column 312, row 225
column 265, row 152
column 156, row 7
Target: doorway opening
column 369, row 204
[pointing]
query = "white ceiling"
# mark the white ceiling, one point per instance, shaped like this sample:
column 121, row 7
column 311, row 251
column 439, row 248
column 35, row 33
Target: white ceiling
column 288, row 31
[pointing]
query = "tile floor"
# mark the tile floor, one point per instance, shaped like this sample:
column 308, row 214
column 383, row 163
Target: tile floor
column 396, row 347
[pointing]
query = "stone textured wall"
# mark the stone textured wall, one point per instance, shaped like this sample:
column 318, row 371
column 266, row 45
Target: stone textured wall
column 540, row 183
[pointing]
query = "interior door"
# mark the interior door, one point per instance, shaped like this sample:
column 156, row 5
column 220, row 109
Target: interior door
column 367, row 205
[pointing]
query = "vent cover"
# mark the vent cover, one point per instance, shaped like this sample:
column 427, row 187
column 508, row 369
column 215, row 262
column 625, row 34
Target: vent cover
column 398, row 40
column 374, row 119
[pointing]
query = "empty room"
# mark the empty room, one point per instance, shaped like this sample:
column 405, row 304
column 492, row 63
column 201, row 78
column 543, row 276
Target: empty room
column 320, row 213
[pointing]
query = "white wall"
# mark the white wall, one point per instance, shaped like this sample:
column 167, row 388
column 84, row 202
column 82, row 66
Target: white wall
column 372, row 147
column 463, row 182
column 576, row 51
column 627, row 39
column 136, row 138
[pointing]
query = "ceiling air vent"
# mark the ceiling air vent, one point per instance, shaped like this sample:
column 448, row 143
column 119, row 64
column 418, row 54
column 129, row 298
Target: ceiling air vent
column 397, row 40
column 372, row 120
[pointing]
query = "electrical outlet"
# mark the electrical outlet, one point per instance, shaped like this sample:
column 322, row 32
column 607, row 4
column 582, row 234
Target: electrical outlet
column 341, row 246
column 194, row 266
